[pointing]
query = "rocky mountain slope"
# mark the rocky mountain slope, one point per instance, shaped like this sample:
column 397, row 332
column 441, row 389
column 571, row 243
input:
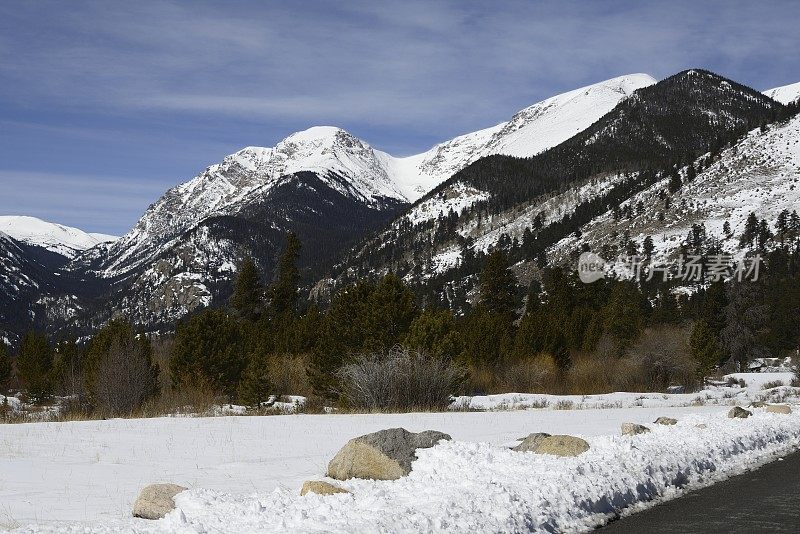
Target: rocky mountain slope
column 529, row 205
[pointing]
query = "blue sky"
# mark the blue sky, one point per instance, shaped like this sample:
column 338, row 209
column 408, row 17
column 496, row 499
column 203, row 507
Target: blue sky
column 104, row 105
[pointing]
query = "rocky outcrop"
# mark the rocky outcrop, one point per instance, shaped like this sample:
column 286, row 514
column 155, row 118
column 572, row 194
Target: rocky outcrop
column 156, row 500
column 383, row 455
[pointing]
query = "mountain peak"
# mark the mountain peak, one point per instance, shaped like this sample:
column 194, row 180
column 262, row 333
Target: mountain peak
column 65, row 240
column 317, row 133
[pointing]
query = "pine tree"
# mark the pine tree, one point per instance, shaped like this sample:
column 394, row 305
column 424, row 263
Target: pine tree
column 5, row 365
column 726, row 229
column 255, row 387
column 750, row 231
column 704, row 347
column 648, row 247
column 436, row 333
column 284, row 291
column 209, row 351
column 674, row 181
column 247, row 291
column 764, row 235
column 624, row 320
column 498, row 286
column 35, row 364
column 782, row 224
column 390, row 311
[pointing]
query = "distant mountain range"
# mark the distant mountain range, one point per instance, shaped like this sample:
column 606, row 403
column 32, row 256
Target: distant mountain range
column 360, row 211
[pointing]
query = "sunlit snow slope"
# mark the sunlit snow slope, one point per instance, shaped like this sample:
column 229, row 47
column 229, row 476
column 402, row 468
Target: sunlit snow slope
column 64, row 240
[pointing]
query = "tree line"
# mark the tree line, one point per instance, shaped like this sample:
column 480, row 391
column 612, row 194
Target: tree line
column 555, row 335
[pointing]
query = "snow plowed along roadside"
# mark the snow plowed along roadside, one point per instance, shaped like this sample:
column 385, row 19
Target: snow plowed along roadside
column 479, row 487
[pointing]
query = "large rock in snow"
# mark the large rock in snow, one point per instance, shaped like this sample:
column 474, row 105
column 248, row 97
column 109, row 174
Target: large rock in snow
column 779, row 408
column 738, row 412
column 320, row 487
column 156, row 500
column 562, row 446
column 530, row 443
column 382, row 455
column 632, row 429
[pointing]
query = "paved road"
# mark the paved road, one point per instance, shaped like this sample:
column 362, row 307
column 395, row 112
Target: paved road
column 763, row 501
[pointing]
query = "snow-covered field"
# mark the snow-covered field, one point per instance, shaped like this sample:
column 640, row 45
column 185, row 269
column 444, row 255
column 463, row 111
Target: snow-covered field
column 245, row 472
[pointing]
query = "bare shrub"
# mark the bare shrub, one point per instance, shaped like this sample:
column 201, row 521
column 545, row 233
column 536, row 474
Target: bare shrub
column 530, row 375
column 663, row 355
column 399, row 379
column 773, row 384
column 288, row 374
column 125, row 377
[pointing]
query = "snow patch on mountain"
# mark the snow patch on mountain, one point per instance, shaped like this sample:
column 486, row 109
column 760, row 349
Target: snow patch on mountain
column 530, row 131
column 64, row 240
column 785, row 94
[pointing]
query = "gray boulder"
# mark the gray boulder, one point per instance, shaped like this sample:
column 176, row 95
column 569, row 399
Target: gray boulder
column 529, row 443
column 562, row 446
column 779, row 408
column 382, row 455
column 156, row 500
column 666, row 421
column 632, row 429
column 738, row 412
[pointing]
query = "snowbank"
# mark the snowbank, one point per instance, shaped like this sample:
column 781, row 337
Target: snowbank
column 463, row 486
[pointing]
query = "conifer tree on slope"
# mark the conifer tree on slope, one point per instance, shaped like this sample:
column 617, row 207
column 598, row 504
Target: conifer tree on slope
column 34, row 365
column 5, row 365
column 498, row 286
column 284, row 291
column 247, row 291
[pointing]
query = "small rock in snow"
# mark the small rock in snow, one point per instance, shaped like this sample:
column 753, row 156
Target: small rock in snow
column 738, row 412
column 529, row 443
column 779, row 408
column 665, row 421
column 562, row 446
column 632, row 429
column 156, row 500
column 320, row 487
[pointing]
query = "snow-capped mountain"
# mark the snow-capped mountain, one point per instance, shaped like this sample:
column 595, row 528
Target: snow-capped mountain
column 786, row 94
column 538, row 208
column 324, row 184
column 353, row 168
column 529, row 132
column 585, row 150
column 64, row 240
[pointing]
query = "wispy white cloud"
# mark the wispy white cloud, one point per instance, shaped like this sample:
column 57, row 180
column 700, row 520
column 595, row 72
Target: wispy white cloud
column 195, row 75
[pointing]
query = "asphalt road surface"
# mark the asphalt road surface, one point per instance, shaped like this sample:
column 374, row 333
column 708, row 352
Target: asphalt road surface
column 763, row 501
